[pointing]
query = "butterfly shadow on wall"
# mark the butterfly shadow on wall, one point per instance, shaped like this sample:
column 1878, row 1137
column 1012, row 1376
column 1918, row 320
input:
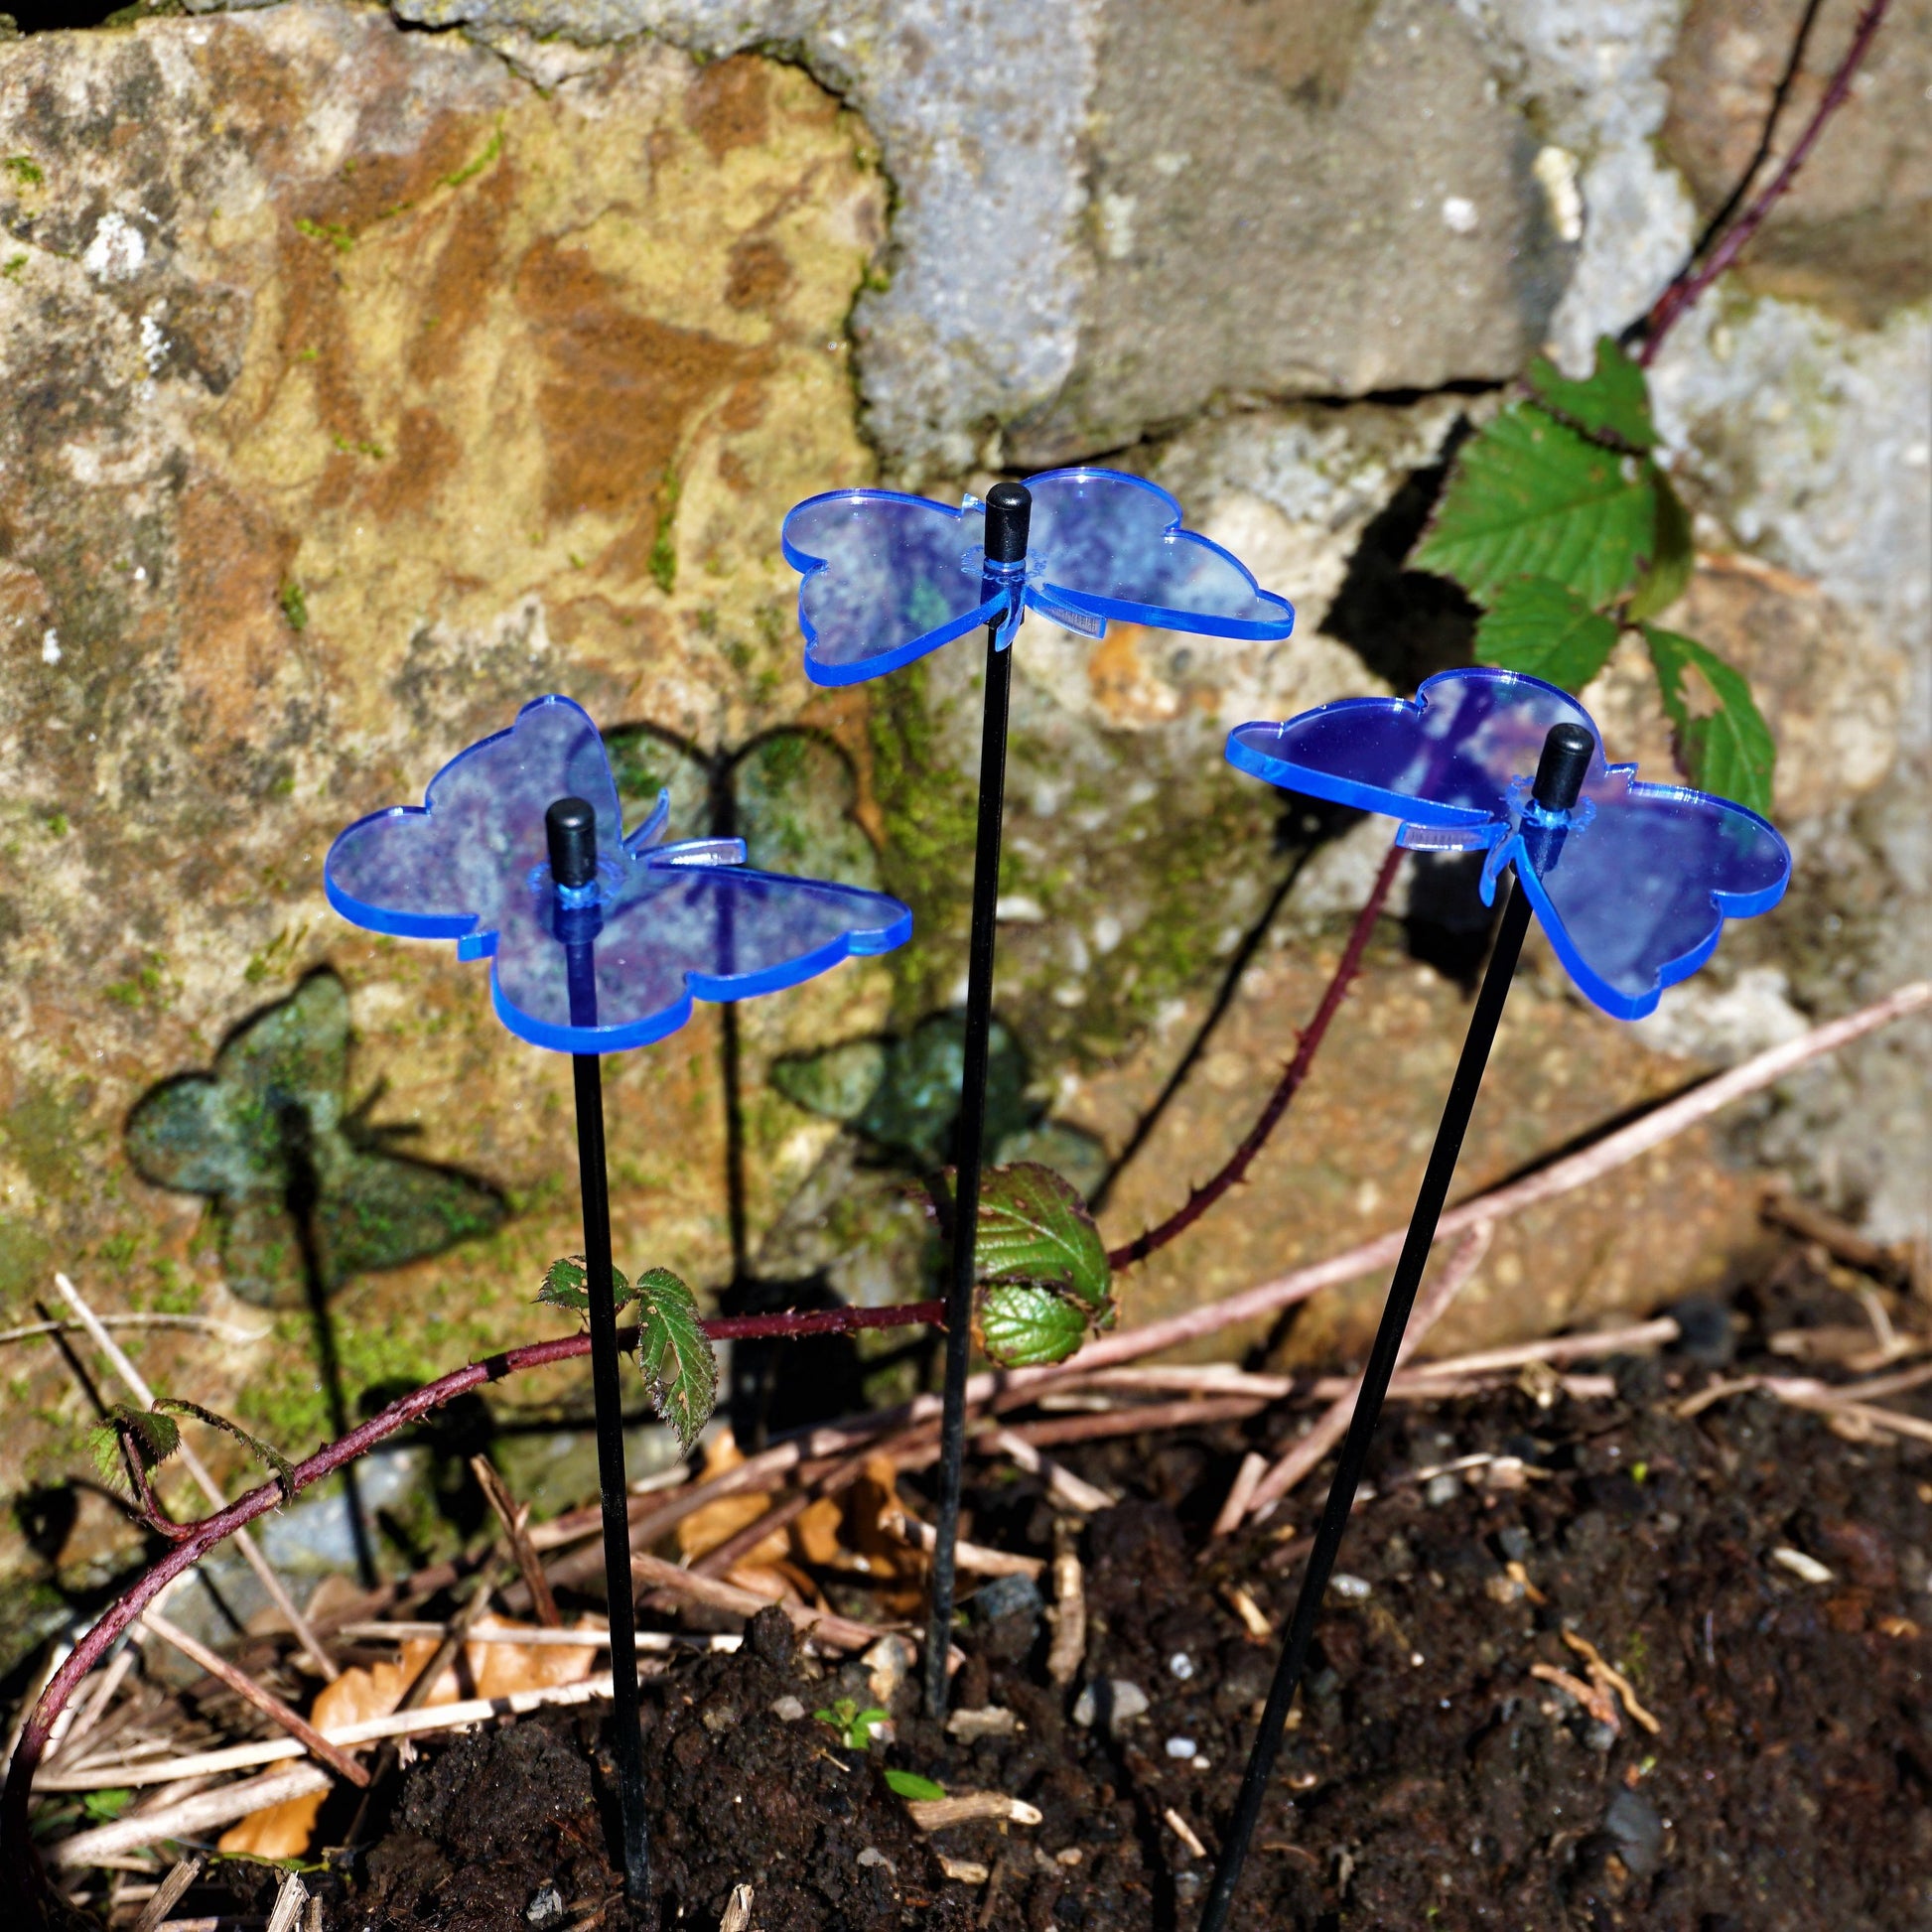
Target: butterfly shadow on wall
column 304, row 1190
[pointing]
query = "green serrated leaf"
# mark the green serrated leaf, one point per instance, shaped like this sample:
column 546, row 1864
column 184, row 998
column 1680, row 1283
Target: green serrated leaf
column 104, row 1439
column 1613, row 403
column 1024, row 1324
column 676, row 1354
column 1673, row 558
column 1722, row 736
column 1537, row 627
column 152, row 1439
column 909, row 1784
column 1034, row 1226
column 264, row 1452
column 1532, row 498
column 567, row 1286
column 563, row 1285
column 155, row 1437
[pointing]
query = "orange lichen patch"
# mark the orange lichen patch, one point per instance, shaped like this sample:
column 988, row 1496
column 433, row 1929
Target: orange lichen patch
column 622, row 391
column 844, row 714
column 262, row 93
column 730, row 105
column 468, row 267
column 426, row 455
column 1122, row 686
column 744, row 408
column 378, row 186
column 760, row 276
column 233, row 563
column 23, row 599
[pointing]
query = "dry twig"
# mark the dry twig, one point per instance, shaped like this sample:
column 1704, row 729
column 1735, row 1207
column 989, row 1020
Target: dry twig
column 289, row 1902
column 167, row 1895
column 1591, row 1697
column 1840, row 1240
column 1072, row 1492
column 190, row 1819
column 966, row 1807
column 265, row 1701
column 205, row 1324
column 1183, row 1831
column 1068, row 1650
column 1241, row 1492
column 420, row 1722
column 514, row 1519
column 975, row 1556
column 1609, row 1677
column 841, row 1631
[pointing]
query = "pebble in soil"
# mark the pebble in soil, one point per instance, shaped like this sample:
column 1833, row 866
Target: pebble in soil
column 1430, row 1778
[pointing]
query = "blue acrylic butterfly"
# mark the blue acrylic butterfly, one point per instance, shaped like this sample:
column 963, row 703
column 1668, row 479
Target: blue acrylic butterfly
column 890, row 577
column 667, row 920
column 1645, row 875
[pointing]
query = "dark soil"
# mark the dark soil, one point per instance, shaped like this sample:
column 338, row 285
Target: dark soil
column 1431, row 1780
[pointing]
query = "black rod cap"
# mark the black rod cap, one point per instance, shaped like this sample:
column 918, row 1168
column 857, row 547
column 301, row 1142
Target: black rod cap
column 1564, row 764
column 1009, row 512
column 571, row 827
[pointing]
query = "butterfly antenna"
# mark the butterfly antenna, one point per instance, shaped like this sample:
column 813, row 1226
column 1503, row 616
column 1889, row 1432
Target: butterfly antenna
column 1560, row 775
column 1008, row 516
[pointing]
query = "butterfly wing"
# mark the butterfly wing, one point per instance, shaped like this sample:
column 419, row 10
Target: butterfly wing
column 1638, row 894
column 1640, row 887
column 1104, row 544
column 673, row 932
column 887, row 580
column 1441, row 762
column 447, row 869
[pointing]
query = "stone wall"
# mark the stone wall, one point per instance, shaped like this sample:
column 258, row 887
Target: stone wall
column 365, row 382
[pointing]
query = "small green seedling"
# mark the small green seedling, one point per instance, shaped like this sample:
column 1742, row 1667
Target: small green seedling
column 909, row 1784
column 855, row 1727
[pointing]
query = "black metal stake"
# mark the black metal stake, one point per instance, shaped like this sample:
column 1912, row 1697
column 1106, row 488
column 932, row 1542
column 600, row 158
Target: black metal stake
column 1559, row 780
column 1009, row 510
column 571, row 826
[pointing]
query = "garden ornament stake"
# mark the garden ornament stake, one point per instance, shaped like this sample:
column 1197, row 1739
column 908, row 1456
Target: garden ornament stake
column 597, row 942
column 1631, row 882
column 888, row 578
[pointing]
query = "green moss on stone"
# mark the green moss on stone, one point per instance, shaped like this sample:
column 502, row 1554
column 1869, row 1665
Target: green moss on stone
column 43, row 1132
column 930, row 812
